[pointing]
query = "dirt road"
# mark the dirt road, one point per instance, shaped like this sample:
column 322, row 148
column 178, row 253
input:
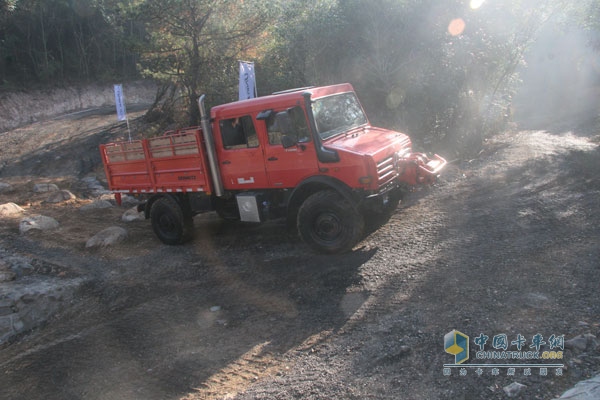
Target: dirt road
column 507, row 243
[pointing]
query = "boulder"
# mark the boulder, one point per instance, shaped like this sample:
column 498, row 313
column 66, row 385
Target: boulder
column 107, row 237
column 582, row 343
column 39, row 222
column 514, row 389
column 584, row 390
column 96, row 205
column 9, row 209
column 45, row 187
column 93, row 185
column 132, row 215
column 126, row 200
column 5, row 187
column 60, row 196
column 129, row 201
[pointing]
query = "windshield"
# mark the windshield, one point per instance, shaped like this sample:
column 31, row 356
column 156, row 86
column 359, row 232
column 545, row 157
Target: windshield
column 337, row 114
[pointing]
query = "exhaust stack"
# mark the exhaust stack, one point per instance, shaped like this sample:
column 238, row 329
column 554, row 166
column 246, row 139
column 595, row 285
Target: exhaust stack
column 210, row 148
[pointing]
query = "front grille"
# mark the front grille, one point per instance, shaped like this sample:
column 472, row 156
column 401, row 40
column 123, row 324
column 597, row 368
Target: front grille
column 386, row 171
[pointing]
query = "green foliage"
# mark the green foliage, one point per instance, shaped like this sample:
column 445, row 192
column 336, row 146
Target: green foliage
column 299, row 47
column 49, row 41
column 196, row 45
column 443, row 71
column 411, row 72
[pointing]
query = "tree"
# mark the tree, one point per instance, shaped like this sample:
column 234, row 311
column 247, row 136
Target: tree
column 444, row 72
column 195, row 43
column 57, row 41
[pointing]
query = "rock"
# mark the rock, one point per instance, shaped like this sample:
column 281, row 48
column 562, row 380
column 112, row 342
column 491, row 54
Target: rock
column 60, row 196
column 45, row 187
column 18, row 264
column 5, row 187
column 7, row 276
column 215, row 308
column 93, row 184
column 536, row 300
column 126, row 200
column 133, row 215
column 6, row 273
column 514, row 389
column 39, row 222
column 107, row 197
column 582, row 342
column 9, row 209
column 37, row 299
column 96, row 205
column 584, row 390
column 129, row 201
column 107, row 237
column 90, row 181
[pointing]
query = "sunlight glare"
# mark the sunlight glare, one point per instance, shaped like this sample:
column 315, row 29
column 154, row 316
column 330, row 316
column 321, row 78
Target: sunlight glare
column 475, row 4
column 456, row 27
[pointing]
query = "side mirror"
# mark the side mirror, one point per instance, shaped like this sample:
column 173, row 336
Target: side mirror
column 287, row 142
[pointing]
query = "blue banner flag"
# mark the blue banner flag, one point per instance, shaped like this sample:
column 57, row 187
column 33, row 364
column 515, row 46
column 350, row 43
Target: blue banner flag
column 247, row 80
column 120, row 102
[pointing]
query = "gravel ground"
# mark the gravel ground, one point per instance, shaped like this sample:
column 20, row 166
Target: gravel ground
column 507, row 243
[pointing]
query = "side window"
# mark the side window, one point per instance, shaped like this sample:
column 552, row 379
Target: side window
column 299, row 127
column 238, row 133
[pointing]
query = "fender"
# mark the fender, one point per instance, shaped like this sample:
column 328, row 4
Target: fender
column 147, row 206
column 312, row 185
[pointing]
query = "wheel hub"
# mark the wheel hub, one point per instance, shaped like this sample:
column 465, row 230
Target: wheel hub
column 167, row 224
column 328, row 226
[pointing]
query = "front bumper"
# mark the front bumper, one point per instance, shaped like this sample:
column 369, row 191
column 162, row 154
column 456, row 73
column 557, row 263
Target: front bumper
column 419, row 169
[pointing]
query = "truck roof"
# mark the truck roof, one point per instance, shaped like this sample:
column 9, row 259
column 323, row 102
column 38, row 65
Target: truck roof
column 287, row 97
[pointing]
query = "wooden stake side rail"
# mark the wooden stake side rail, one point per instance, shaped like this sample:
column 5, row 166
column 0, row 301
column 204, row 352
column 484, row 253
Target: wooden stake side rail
column 175, row 162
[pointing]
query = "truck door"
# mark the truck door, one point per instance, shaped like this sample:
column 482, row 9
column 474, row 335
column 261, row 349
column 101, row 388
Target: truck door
column 286, row 167
column 240, row 155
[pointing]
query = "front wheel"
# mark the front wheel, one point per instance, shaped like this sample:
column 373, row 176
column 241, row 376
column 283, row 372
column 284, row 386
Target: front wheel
column 169, row 222
column 329, row 223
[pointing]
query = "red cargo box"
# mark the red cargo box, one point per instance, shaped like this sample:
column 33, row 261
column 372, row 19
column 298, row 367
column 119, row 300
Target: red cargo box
column 175, row 162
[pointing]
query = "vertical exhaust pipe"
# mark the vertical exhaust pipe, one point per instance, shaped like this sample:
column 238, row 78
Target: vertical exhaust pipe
column 210, row 148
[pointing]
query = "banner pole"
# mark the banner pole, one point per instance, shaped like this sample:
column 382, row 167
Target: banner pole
column 128, row 130
column 255, row 86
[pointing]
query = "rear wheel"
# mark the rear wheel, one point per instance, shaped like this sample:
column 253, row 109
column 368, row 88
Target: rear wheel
column 329, row 223
column 170, row 222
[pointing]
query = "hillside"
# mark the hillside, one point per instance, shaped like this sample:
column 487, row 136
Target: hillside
column 506, row 243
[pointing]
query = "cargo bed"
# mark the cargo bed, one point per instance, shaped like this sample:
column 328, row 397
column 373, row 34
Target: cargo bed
column 174, row 162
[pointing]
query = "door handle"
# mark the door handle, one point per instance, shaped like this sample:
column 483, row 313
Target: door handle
column 226, row 162
column 272, row 159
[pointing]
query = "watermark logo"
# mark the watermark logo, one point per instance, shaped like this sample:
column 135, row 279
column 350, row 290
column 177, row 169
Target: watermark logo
column 494, row 353
column 457, row 344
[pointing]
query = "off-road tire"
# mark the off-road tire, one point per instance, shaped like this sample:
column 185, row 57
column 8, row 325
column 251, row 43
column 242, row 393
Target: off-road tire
column 169, row 221
column 329, row 223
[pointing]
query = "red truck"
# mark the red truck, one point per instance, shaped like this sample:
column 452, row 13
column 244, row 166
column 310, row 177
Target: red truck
column 308, row 155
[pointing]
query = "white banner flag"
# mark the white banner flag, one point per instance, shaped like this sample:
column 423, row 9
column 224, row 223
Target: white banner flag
column 120, row 102
column 247, row 80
